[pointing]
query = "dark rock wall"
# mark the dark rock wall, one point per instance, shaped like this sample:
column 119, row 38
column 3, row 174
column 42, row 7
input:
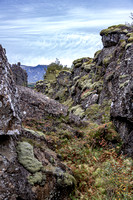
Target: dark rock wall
column 19, row 75
column 9, row 99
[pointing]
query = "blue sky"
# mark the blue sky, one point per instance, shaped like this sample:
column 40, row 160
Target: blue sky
column 39, row 31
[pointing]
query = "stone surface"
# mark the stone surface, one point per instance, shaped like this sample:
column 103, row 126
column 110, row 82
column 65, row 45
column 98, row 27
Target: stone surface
column 102, row 87
column 10, row 122
column 19, row 75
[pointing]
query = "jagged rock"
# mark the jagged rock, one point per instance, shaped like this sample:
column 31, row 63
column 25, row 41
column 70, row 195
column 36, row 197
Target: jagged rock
column 113, row 34
column 19, row 75
column 10, row 122
column 95, row 83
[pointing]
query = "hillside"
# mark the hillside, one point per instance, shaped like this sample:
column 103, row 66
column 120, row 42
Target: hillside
column 34, row 73
column 72, row 137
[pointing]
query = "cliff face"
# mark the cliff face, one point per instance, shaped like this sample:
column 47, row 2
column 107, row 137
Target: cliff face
column 101, row 87
column 19, row 75
column 9, row 108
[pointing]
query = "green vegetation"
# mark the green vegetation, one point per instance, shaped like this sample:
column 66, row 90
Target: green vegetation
column 53, row 70
column 121, row 28
column 91, row 152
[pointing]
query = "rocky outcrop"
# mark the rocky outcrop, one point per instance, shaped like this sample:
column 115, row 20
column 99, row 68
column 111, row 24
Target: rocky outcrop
column 37, row 105
column 29, row 169
column 9, row 111
column 19, row 75
column 56, row 89
column 102, row 87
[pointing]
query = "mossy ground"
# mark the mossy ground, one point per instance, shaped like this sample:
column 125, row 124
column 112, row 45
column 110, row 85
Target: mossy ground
column 91, row 152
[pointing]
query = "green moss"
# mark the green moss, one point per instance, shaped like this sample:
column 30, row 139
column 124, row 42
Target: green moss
column 128, row 45
column 68, row 103
column 80, row 60
column 107, row 60
column 124, row 84
column 99, row 182
column 86, row 94
column 97, row 53
column 77, row 65
column 121, row 28
column 36, row 178
column 102, row 190
column 130, row 39
column 26, row 157
column 92, row 111
column 73, row 89
column 123, row 76
column 123, row 43
column 77, row 110
column 66, row 180
column 83, row 82
column 65, row 70
column 39, row 133
column 62, row 94
column 97, row 84
column 99, row 112
column 109, row 76
column 130, row 34
column 88, row 67
column 97, row 172
column 86, row 84
column 76, row 78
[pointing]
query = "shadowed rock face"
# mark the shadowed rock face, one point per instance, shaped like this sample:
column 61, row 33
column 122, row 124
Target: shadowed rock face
column 122, row 101
column 19, row 75
column 9, row 111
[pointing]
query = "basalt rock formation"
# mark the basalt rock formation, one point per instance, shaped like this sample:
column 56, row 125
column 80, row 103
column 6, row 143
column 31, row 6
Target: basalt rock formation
column 29, row 169
column 19, row 75
column 102, row 88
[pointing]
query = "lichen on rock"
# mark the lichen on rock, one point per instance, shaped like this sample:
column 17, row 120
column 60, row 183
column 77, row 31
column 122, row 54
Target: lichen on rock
column 26, row 157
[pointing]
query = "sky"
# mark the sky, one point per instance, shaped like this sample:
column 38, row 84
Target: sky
column 39, row 31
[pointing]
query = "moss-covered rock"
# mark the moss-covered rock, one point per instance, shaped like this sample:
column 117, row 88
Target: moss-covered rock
column 97, row 53
column 122, row 85
column 121, row 28
column 130, row 39
column 66, row 180
column 77, row 110
column 38, row 177
column 107, row 60
column 26, row 157
column 128, row 45
column 86, row 93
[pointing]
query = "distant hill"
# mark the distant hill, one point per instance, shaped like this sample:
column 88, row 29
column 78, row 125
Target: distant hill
column 35, row 73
